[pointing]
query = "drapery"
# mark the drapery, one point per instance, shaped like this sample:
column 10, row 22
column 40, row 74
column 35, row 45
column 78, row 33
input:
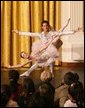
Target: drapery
column 24, row 16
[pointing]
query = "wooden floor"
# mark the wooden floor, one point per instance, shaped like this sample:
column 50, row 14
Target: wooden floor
column 35, row 75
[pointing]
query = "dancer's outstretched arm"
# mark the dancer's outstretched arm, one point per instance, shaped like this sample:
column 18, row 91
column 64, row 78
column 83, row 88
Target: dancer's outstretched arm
column 27, row 33
column 65, row 33
column 18, row 66
column 70, row 32
column 57, row 37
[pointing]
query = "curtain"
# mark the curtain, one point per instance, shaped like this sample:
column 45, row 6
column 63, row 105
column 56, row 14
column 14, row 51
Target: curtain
column 24, row 16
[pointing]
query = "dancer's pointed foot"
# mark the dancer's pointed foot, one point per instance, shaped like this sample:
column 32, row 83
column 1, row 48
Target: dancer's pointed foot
column 25, row 74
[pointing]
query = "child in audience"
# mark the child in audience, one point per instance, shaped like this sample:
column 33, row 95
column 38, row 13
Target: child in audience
column 76, row 95
column 15, row 88
column 28, row 91
column 6, row 101
column 62, row 91
column 43, row 97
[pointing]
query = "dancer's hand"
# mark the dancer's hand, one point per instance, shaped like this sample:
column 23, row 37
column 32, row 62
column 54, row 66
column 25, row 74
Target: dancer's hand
column 6, row 67
column 15, row 31
column 9, row 67
column 69, row 20
column 78, row 29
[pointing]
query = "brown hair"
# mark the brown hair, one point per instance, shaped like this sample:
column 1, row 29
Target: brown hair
column 45, row 21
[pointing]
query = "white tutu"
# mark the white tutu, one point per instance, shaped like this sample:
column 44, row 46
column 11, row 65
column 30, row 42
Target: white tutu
column 51, row 51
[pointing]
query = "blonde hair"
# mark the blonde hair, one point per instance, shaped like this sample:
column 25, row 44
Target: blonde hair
column 46, row 76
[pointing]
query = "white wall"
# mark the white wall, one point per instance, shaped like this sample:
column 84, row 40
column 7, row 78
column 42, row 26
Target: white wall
column 73, row 45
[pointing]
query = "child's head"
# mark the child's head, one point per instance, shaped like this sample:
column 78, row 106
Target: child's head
column 44, row 89
column 42, row 97
column 28, row 85
column 76, row 93
column 46, row 76
column 13, row 75
column 37, row 101
column 70, row 78
column 46, row 92
column 13, row 80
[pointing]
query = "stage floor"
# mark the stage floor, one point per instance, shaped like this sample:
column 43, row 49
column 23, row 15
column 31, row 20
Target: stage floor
column 35, row 75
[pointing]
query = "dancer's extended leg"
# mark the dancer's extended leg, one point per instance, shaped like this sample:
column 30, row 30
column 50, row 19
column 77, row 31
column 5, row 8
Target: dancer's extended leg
column 50, row 62
column 27, row 73
column 51, row 69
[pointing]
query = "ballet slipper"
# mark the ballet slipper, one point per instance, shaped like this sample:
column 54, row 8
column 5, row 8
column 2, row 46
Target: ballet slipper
column 25, row 74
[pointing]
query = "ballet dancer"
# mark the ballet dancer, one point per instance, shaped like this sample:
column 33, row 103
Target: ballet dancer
column 52, row 53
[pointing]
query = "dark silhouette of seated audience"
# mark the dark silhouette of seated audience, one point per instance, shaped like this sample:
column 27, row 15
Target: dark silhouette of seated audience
column 76, row 95
column 61, row 93
column 15, row 88
column 43, row 97
column 6, row 101
column 69, row 94
column 28, row 90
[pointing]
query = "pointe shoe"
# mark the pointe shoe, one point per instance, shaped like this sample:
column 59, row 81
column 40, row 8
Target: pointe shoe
column 25, row 74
